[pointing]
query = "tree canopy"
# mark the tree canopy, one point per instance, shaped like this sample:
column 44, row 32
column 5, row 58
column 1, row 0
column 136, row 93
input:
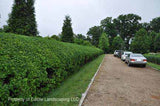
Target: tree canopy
column 157, row 43
column 141, row 43
column 127, row 25
column 95, row 33
column 155, row 24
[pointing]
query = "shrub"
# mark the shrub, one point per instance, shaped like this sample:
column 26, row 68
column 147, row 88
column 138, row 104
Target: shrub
column 32, row 66
column 153, row 58
column 82, row 42
column 55, row 37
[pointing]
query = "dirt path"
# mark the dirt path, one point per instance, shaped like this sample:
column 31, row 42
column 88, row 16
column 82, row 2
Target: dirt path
column 116, row 84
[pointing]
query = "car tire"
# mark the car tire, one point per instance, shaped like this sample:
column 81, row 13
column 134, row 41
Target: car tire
column 129, row 64
column 144, row 65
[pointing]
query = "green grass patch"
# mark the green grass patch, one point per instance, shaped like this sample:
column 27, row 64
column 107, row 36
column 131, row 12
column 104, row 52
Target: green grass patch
column 74, row 86
column 154, row 65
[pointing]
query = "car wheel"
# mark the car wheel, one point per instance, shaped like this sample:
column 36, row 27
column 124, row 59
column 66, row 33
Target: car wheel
column 129, row 64
column 144, row 65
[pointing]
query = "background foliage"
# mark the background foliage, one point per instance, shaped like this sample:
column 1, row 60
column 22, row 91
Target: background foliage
column 104, row 42
column 141, row 43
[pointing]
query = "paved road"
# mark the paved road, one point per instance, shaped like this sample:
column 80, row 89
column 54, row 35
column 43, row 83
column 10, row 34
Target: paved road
column 116, row 84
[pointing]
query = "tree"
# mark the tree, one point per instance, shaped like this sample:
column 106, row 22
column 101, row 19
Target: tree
column 141, row 42
column 22, row 18
column 109, row 27
column 146, row 26
column 80, row 36
column 157, row 43
column 118, row 43
column 155, row 24
column 152, row 36
column 104, row 42
column 94, row 33
column 31, row 20
column 126, row 26
column 67, row 33
column 6, row 28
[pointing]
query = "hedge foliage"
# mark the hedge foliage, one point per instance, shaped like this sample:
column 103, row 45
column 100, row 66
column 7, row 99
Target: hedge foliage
column 32, row 66
column 153, row 58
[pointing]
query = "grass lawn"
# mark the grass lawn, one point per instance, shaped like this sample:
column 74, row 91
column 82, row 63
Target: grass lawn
column 74, row 86
column 154, row 65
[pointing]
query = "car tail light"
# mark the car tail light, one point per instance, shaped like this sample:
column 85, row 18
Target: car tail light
column 145, row 60
column 132, row 59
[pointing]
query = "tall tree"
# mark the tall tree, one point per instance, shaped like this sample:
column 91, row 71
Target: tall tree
column 94, row 33
column 118, row 43
column 80, row 36
column 155, row 24
column 104, row 42
column 109, row 27
column 22, row 18
column 141, row 42
column 127, row 25
column 31, row 20
column 67, row 33
column 157, row 43
column 152, row 35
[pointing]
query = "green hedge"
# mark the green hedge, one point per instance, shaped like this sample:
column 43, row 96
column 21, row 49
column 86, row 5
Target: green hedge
column 32, row 66
column 153, row 58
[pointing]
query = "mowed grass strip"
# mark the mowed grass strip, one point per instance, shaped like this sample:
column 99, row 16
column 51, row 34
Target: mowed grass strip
column 154, row 65
column 74, row 86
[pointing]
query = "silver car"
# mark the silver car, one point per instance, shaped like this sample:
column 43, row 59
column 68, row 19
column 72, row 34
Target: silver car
column 116, row 53
column 124, row 55
column 136, row 59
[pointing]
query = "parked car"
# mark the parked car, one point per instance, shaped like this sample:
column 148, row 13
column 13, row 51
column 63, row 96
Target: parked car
column 116, row 53
column 124, row 55
column 120, row 52
column 136, row 59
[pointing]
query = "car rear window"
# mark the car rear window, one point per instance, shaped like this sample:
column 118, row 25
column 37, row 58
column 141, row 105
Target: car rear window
column 126, row 53
column 136, row 55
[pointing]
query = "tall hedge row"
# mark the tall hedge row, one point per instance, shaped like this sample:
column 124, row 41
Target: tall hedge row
column 153, row 58
column 32, row 66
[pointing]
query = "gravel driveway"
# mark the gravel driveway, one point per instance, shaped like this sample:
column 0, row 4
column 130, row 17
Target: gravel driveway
column 116, row 84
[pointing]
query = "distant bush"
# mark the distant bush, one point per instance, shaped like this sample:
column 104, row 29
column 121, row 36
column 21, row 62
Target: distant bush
column 82, row 42
column 32, row 66
column 55, row 37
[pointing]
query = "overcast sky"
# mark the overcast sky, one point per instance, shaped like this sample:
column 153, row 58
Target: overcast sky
column 84, row 13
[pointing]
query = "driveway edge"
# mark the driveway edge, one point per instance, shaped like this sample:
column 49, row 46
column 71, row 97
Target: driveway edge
column 86, row 92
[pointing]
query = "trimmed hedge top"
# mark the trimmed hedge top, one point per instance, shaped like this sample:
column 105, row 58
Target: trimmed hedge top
column 31, row 66
column 154, row 58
